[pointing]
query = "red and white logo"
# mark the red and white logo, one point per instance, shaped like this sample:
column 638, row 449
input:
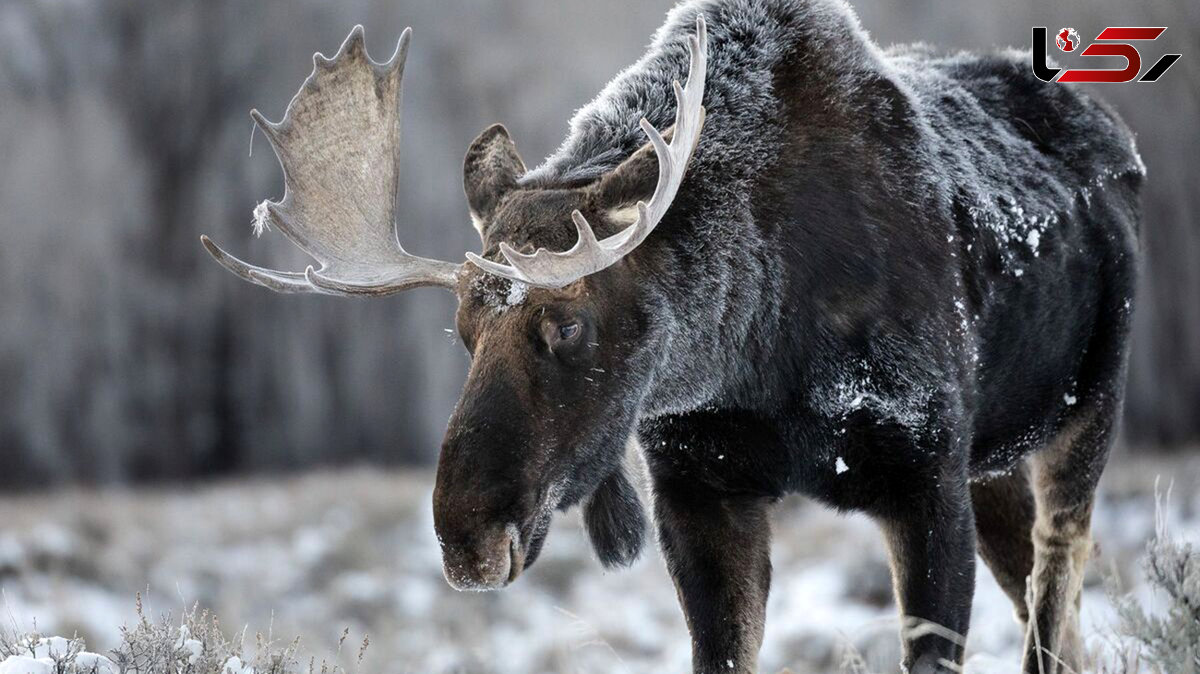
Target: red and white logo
column 1112, row 41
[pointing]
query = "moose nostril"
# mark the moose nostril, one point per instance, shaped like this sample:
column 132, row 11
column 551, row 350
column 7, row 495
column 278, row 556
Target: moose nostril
column 495, row 570
column 491, row 561
column 487, row 565
column 495, row 564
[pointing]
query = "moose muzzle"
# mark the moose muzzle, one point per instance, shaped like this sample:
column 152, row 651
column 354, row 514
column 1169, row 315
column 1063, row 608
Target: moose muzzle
column 489, row 560
column 484, row 498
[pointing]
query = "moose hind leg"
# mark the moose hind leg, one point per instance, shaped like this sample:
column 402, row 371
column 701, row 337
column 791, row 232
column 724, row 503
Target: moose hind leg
column 1004, row 515
column 1065, row 475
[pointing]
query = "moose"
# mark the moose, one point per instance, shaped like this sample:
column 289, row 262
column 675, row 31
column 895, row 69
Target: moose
column 896, row 281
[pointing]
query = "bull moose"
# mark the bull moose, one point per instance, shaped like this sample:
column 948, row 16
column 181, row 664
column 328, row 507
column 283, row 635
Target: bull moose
column 896, row 281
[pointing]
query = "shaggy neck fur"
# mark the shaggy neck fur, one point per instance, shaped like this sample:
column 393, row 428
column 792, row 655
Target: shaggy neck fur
column 714, row 272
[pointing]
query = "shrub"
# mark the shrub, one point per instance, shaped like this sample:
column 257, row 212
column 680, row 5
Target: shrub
column 1166, row 641
column 195, row 644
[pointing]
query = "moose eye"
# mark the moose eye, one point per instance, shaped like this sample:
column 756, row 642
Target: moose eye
column 564, row 336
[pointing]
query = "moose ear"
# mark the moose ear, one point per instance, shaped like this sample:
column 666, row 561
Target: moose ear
column 615, row 521
column 633, row 180
column 490, row 170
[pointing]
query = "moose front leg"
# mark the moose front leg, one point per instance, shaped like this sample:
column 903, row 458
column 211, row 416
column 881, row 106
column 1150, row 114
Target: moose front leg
column 718, row 553
column 932, row 544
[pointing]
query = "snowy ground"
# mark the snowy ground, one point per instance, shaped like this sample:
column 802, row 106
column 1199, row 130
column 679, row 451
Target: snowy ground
column 314, row 555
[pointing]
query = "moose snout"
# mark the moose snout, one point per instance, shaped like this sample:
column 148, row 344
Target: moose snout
column 488, row 560
column 481, row 497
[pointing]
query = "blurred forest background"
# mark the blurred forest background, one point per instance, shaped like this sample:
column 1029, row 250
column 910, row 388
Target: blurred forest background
column 126, row 354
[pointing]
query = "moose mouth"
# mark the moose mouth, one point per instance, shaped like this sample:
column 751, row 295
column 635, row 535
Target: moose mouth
column 533, row 534
column 540, row 526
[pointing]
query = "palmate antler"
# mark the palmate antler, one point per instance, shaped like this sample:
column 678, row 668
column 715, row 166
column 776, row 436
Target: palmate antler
column 338, row 144
column 589, row 255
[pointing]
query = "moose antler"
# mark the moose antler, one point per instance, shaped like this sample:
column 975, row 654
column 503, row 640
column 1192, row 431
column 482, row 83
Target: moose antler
column 338, row 145
column 556, row 269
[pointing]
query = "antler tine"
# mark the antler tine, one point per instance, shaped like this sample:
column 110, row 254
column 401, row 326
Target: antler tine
column 279, row 281
column 531, row 267
column 345, row 117
column 270, row 129
column 587, row 237
column 556, row 269
column 586, row 241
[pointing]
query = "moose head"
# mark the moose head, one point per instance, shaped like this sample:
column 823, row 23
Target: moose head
column 563, row 344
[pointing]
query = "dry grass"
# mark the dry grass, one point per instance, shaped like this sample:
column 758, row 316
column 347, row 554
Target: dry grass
column 193, row 644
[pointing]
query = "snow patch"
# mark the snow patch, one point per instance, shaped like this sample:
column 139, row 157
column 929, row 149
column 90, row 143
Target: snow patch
column 840, row 466
column 1009, row 222
column 20, row 664
column 517, row 292
column 498, row 293
column 185, row 643
column 52, row 655
column 92, row 663
column 858, row 387
column 1033, row 238
column 234, row 665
